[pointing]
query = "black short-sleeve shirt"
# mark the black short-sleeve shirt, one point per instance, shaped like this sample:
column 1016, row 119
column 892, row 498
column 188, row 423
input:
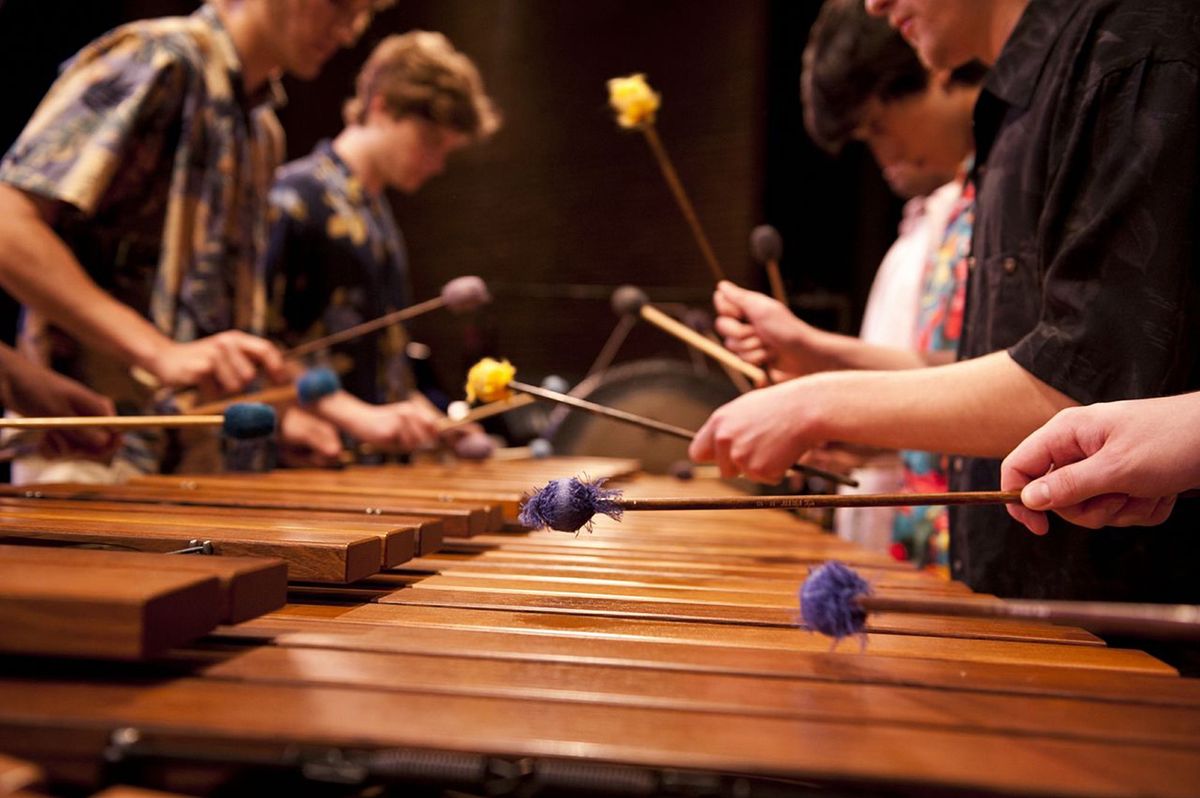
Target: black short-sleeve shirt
column 1085, row 267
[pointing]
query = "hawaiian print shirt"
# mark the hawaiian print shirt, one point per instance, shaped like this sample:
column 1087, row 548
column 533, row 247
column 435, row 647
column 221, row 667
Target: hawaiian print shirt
column 336, row 259
column 161, row 165
column 923, row 533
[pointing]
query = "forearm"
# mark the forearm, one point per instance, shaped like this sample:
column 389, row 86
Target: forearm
column 342, row 409
column 39, row 270
column 844, row 352
column 982, row 407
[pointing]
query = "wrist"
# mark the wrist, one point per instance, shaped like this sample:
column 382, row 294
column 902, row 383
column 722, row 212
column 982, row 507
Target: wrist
column 148, row 350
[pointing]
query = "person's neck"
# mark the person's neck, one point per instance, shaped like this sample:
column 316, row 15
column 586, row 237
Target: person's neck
column 352, row 146
column 245, row 28
column 1004, row 16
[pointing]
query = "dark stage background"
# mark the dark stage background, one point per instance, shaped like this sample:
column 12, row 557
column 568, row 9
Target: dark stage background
column 562, row 205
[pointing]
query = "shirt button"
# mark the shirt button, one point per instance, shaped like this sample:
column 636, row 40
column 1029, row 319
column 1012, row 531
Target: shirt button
column 957, row 566
column 971, row 263
column 957, row 464
column 1010, row 265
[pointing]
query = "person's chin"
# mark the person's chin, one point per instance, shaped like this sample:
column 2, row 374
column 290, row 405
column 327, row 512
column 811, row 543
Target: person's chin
column 305, row 70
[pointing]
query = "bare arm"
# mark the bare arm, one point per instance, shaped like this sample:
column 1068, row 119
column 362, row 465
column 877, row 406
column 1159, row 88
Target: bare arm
column 982, row 407
column 33, row 390
column 762, row 331
column 399, row 426
column 38, row 269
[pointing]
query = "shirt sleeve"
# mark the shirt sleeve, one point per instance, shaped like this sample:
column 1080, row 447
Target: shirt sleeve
column 1118, row 241
column 109, row 107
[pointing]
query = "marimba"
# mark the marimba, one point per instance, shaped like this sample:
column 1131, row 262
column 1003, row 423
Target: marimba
column 426, row 641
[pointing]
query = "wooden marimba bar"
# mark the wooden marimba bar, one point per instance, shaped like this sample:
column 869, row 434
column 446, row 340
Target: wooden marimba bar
column 660, row 655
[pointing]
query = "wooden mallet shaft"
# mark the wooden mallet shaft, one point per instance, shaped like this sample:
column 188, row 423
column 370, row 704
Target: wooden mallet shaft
column 681, row 198
column 776, row 280
column 113, row 422
column 386, row 320
column 275, row 395
column 651, row 424
column 694, row 339
column 486, row 411
column 823, row 501
column 1137, row 620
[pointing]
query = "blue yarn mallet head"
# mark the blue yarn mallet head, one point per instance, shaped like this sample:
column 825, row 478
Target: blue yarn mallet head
column 568, row 505
column 246, row 420
column 316, row 384
column 827, row 600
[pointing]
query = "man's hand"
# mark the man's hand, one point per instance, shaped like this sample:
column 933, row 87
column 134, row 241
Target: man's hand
column 761, row 434
column 306, row 440
column 764, row 332
column 397, row 427
column 224, row 363
column 33, row 390
column 1115, row 464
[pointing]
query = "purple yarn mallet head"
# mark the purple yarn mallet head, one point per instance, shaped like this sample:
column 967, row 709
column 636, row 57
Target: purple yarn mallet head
column 568, row 505
column 827, row 600
column 466, row 293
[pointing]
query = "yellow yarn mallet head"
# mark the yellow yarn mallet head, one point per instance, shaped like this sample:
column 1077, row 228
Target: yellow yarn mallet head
column 633, row 100
column 488, row 380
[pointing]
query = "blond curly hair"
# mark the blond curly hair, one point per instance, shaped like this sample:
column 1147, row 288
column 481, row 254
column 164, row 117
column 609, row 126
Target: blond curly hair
column 419, row 73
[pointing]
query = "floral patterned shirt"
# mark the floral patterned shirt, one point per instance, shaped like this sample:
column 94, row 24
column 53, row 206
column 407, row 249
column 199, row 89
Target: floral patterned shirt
column 923, row 533
column 336, row 259
column 160, row 164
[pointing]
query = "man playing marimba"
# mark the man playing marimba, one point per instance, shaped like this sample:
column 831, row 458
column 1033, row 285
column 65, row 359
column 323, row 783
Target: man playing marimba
column 334, row 240
column 1082, row 287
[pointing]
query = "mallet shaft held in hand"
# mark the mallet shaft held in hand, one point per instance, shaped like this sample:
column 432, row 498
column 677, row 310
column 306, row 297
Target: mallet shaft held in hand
column 824, row 500
column 485, row 411
column 387, row 320
column 682, row 199
column 114, row 422
column 1137, row 620
column 776, row 280
column 275, row 395
column 689, row 336
column 649, row 423
column 836, row 601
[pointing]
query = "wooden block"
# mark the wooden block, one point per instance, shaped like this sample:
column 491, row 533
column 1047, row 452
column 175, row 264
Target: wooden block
column 467, row 516
column 430, row 527
column 601, row 627
column 826, row 753
column 527, row 644
column 782, row 697
column 250, row 586
column 311, row 555
column 104, row 612
column 17, row 774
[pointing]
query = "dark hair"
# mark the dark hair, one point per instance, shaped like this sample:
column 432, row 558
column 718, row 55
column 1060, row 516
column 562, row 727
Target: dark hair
column 852, row 56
